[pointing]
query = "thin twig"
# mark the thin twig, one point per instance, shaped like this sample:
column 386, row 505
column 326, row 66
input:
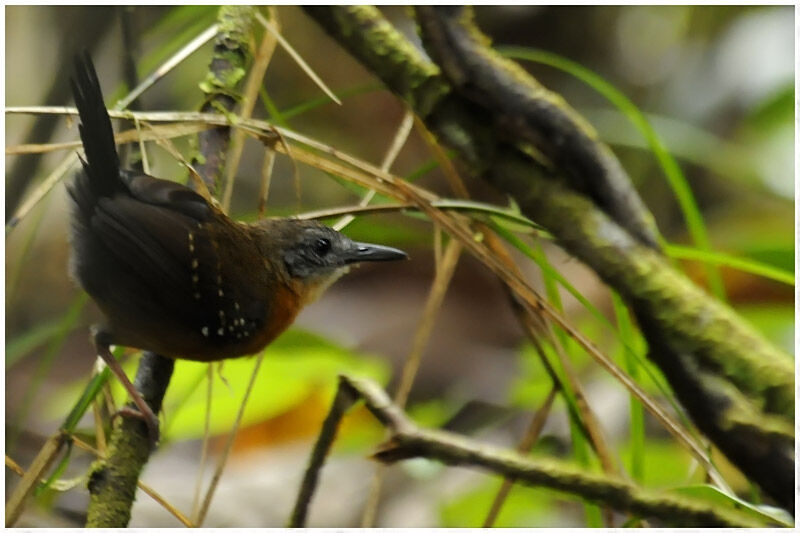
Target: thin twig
column 168, row 65
column 228, row 445
column 12, row 464
column 341, row 403
column 171, row 509
column 267, row 165
column 41, row 191
column 525, row 446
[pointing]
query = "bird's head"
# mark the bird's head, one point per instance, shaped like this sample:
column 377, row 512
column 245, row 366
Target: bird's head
column 313, row 256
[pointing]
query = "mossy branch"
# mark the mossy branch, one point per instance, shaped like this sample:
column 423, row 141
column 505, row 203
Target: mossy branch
column 738, row 388
column 407, row 440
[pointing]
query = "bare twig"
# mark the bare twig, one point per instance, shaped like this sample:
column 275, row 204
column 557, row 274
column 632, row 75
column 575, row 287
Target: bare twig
column 525, row 445
column 400, row 138
column 168, row 65
column 12, row 464
column 267, row 165
column 341, row 403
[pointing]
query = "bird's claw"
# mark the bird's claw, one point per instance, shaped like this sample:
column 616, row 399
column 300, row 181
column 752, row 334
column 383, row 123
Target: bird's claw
column 151, row 421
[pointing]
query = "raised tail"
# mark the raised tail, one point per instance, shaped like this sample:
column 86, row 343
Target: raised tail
column 101, row 176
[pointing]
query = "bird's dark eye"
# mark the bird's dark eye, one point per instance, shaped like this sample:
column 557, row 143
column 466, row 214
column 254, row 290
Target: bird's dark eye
column 322, row 246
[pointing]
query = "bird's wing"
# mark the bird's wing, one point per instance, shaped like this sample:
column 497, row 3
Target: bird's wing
column 167, row 194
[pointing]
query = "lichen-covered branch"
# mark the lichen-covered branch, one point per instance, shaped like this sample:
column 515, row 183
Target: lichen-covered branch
column 738, row 388
column 407, row 441
column 113, row 480
column 221, row 86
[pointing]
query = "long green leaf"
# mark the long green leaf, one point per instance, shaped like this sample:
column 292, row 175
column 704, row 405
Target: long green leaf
column 739, row 263
column 67, row 323
column 23, row 344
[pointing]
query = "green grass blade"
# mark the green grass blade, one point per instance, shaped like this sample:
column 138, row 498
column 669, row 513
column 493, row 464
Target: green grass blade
column 548, row 270
column 739, row 263
column 86, row 398
column 320, row 101
column 626, row 332
column 580, row 441
column 672, row 171
column 57, row 473
column 67, row 323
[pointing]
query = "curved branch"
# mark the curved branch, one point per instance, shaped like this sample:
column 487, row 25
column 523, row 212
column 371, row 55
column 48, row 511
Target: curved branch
column 407, row 441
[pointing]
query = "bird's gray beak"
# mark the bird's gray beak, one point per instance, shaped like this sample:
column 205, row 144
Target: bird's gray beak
column 362, row 251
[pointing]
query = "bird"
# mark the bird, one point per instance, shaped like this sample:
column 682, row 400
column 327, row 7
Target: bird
column 173, row 274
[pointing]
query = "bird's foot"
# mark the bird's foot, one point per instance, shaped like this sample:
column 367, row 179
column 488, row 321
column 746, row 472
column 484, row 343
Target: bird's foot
column 150, row 419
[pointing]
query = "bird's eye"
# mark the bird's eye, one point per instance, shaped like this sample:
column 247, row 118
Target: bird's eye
column 322, row 246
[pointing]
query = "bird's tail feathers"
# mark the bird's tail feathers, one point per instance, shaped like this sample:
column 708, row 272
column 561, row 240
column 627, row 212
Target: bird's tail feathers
column 101, row 165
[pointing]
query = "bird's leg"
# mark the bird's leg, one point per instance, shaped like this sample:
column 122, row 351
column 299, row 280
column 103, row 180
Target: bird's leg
column 101, row 345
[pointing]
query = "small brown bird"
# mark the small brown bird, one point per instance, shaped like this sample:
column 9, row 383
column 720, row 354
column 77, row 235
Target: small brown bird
column 176, row 276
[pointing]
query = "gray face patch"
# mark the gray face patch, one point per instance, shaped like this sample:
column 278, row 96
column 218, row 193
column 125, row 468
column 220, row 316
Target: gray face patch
column 318, row 251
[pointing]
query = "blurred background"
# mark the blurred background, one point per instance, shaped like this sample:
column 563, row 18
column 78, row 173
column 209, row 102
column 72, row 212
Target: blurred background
column 717, row 85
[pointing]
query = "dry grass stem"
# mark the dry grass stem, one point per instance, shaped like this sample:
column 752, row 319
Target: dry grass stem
column 249, row 98
column 228, row 445
column 399, row 140
column 168, row 65
column 433, row 304
column 267, row 165
column 297, row 58
column 525, row 446
column 198, row 488
column 40, row 464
